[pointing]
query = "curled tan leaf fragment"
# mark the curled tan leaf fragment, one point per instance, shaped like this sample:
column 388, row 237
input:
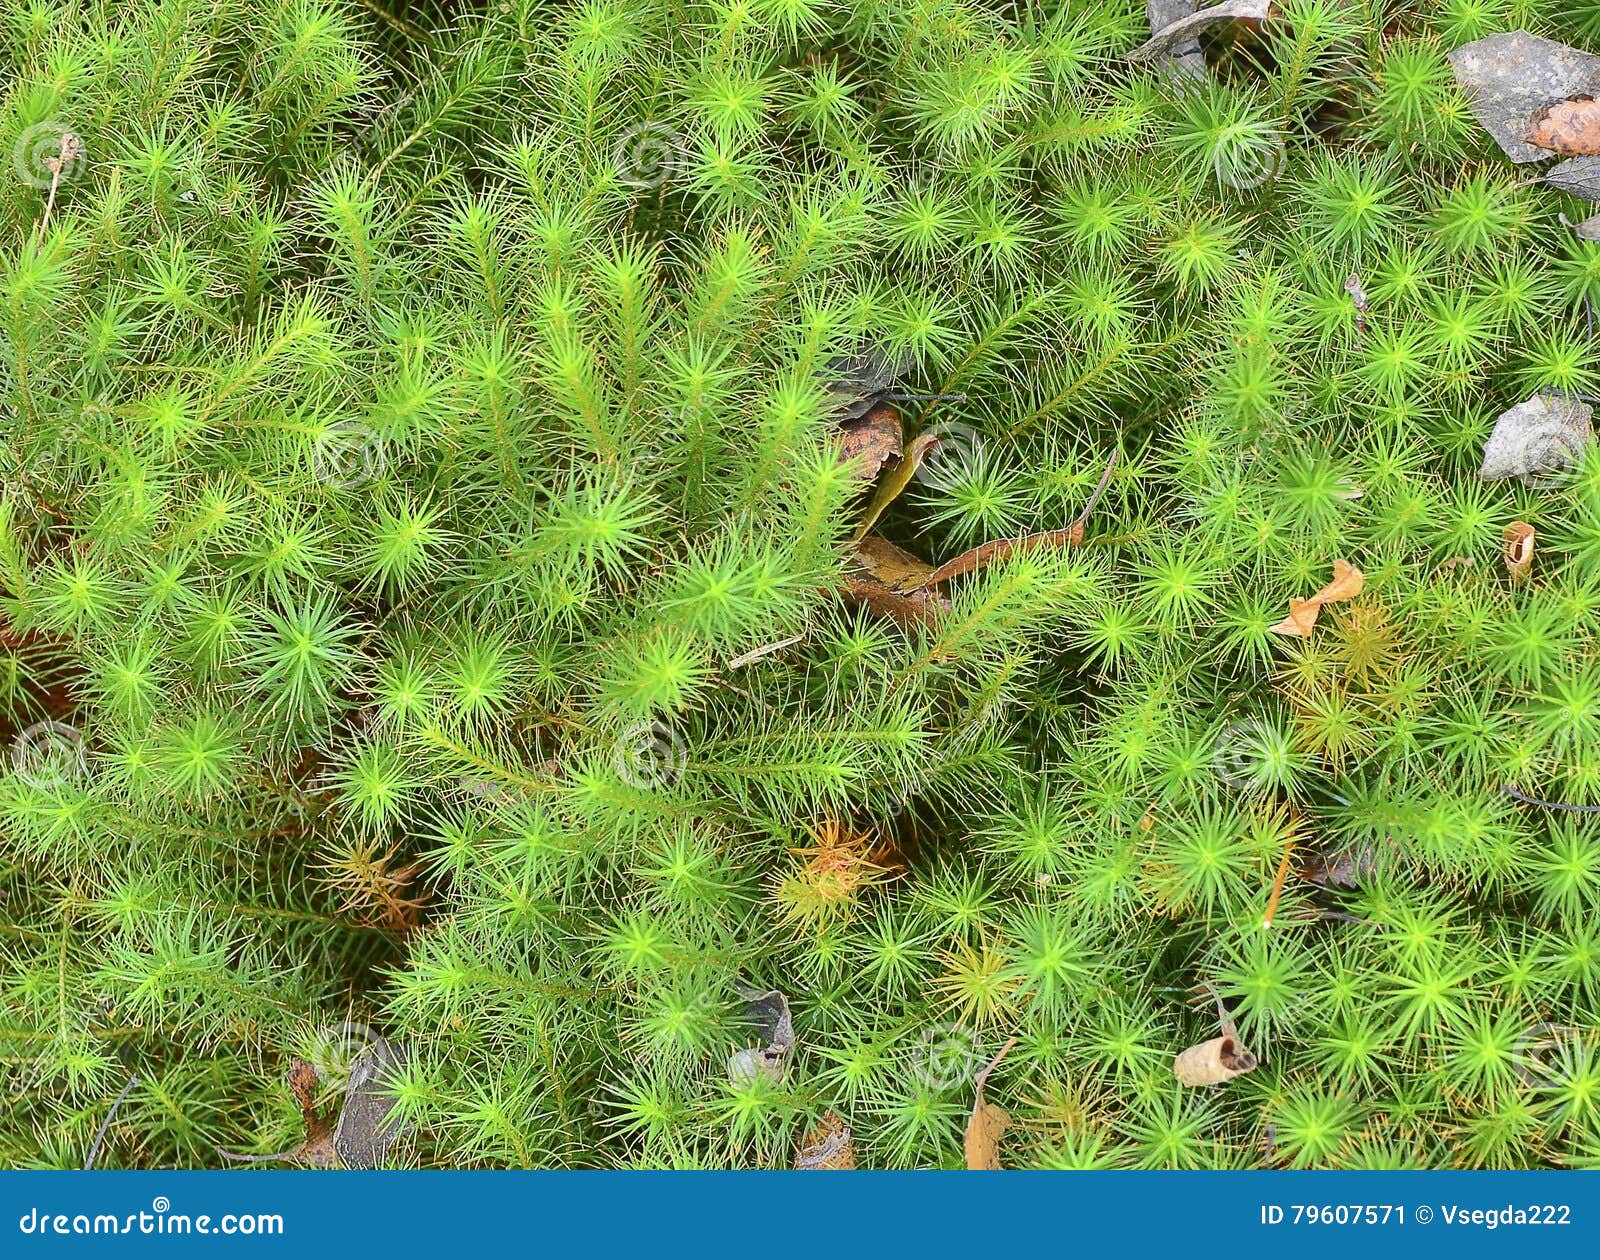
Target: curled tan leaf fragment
column 829, row 1146
column 1173, row 38
column 1520, row 538
column 987, row 1122
column 1570, row 127
column 1213, row 1062
column 1347, row 583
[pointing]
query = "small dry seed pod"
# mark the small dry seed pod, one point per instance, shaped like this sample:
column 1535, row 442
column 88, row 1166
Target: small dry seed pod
column 1213, row 1062
column 1520, row 539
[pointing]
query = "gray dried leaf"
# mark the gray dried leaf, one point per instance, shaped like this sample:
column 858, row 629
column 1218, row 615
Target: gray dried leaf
column 766, row 1014
column 366, row 1131
column 1589, row 229
column 1510, row 77
column 1578, row 176
column 767, row 1018
column 1186, row 59
column 857, row 382
column 1173, row 37
column 1538, row 439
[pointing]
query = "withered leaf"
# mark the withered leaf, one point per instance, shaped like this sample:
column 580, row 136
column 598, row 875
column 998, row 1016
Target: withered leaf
column 919, row 608
column 317, row 1150
column 366, row 1130
column 1213, row 1062
column 1186, row 59
column 1001, row 548
column 766, row 1016
column 1173, row 37
column 896, row 480
column 1589, row 229
column 1570, row 127
column 870, row 441
column 1348, row 582
column 894, row 566
column 1520, row 540
column 1538, row 438
column 987, row 1122
column 828, row 1146
column 1579, row 176
column 1509, row 77
column 860, row 380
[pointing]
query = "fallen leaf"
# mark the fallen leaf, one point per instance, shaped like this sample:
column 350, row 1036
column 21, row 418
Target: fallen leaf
column 919, row 608
column 896, row 480
column 1511, row 76
column 1541, row 437
column 363, row 1133
column 1589, row 229
column 1578, row 176
column 1002, row 548
column 859, row 381
column 1519, row 544
column 894, row 566
column 871, row 440
column 1185, row 59
column 767, row 1017
column 1347, row 583
column 1344, row 868
column 1171, row 38
column 1570, row 128
column 366, row 1131
column 828, row 1146
column 987, row 1122
column 1213, row 1062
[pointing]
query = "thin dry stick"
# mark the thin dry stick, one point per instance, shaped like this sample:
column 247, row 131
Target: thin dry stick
column 1277, row 885
column 71, row 147
column 1510, row 789
column 105, row 1125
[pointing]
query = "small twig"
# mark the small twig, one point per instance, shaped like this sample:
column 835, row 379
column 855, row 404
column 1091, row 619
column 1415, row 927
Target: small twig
column 105, row 1125
column 1099, row 490
column 1510, row 790
column 766, row 649
column 1277, row 885
column 983, row 1076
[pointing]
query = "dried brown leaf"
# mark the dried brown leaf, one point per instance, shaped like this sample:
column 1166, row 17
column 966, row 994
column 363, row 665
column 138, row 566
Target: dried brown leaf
column 829, row 1146
column 894, row 566
column 987, row 1122
column 870, row 441
column 1520, row 539
column 1510, row 76
column 1570, row 127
